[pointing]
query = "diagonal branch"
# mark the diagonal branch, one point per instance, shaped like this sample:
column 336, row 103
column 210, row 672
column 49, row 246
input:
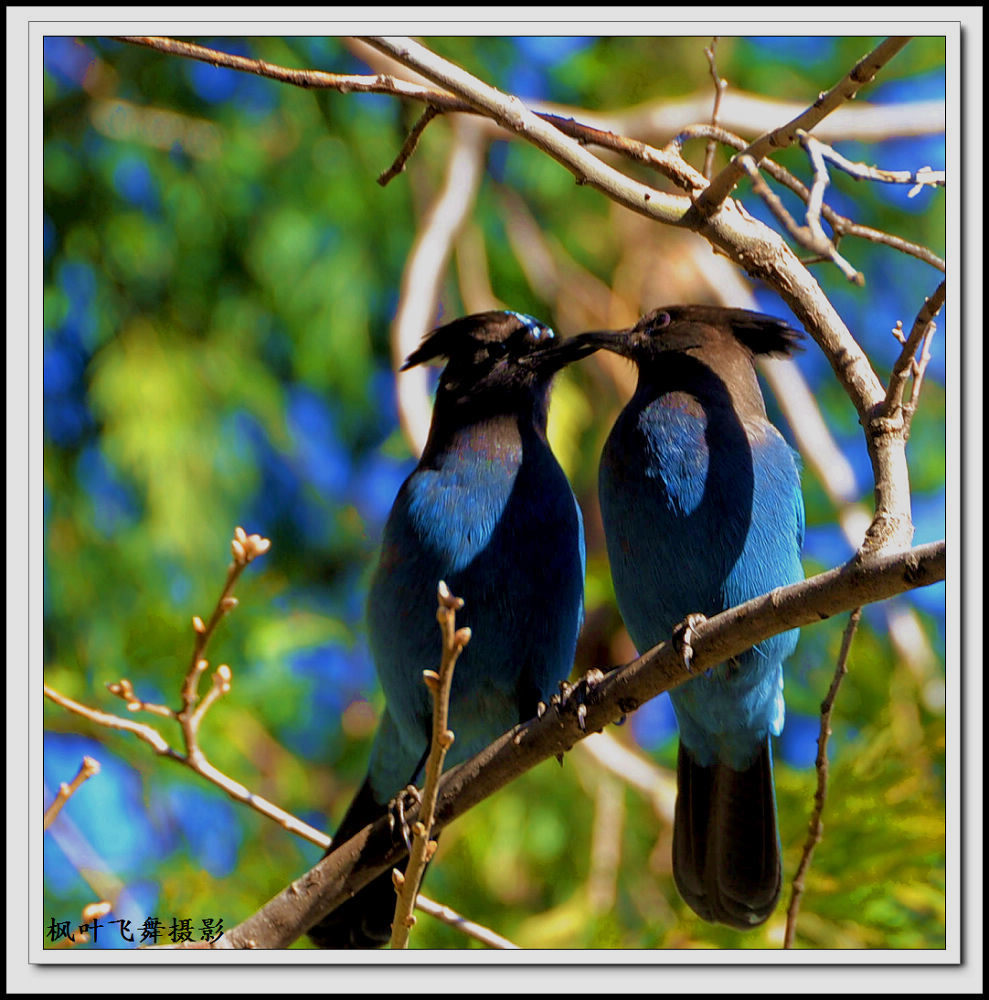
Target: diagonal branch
column 862, row 73
column 372, row 850
column 513, row 115
column 409, row 146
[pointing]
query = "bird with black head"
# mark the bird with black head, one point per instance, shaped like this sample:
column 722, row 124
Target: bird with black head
column 702, row 509
column 489, row 511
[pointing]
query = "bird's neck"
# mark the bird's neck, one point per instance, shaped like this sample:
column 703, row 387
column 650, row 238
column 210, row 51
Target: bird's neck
column 703, row 385
column 465, row 429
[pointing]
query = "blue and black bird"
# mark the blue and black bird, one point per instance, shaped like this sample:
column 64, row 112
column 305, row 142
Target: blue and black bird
column 702, row 509
column 489, row 510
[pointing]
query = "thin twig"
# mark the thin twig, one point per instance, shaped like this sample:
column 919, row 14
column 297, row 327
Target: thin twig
column 840, row 225
column 245, row 548
column 451, row 918
column 308, row 79
column 87, row 769
column 924, row 177
column 811, row 236
column 816, row 827
column 409, row 146
column 671, row 165
column 907, row 363
column 919, row 368
column 739, row 111
column 720, row 85
column 149, row 734
column 845, row 89
column 439, row 684
column 815, row 203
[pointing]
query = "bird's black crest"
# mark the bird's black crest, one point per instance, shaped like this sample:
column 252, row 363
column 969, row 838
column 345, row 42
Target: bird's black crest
column 465, row 333
column 759, row 332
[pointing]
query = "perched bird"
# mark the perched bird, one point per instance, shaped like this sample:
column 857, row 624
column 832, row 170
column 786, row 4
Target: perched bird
column 702, row 509
column 488, row 510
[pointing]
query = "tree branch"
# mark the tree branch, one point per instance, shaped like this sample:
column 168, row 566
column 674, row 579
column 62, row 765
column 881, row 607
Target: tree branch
column 759, row 250
column 906, row 363
column 815, row 828
column 245, row 548
column 720, row 85
column 841, row 225
column 353, row 864
column 655, row 120
column 862, row 73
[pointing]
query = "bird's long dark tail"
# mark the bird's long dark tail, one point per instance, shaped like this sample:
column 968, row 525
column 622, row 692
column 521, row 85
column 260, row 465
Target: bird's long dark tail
column 364, row 920
column 726, row 855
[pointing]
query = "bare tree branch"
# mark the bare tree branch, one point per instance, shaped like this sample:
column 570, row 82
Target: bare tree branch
column 759, row 250
column 815, row 828
column 409, row 146
column 841, row 225
column 924, row 177
column 245, row 548
column 601, row 702
column 906, row 363
column 862, row 73
column 720, row 85
column 653, row 121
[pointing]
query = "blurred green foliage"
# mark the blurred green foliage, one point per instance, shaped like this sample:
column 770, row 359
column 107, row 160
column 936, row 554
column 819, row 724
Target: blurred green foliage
column 221, row 270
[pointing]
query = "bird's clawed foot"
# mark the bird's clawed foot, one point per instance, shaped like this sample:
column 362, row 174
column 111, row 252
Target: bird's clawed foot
column 574, row 694
column 683, row 637
column 407, row 798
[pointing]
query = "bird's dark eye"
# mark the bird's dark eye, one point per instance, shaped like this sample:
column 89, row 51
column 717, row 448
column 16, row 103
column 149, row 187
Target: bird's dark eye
column 661, row 319
column 498, row 349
